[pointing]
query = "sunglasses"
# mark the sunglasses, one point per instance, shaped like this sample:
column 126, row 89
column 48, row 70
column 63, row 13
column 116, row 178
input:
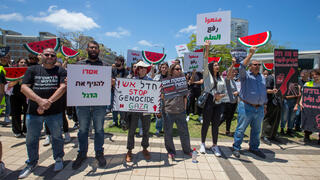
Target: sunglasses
column 256, row 64
column 47, row 55
column 177, row 69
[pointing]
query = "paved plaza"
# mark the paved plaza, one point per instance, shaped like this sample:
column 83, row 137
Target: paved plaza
column 292, row 160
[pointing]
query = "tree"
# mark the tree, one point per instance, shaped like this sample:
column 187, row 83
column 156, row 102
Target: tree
column 222, row 51
column 270, row 46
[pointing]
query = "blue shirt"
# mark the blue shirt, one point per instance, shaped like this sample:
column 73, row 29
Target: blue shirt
column 253, row 87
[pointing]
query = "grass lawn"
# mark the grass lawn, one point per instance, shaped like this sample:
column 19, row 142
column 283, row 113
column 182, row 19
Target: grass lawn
column 195, row 130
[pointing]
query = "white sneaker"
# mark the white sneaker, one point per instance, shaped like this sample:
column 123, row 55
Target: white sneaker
column 140, row 132
column 188, row 118
column 7, row 119
column 216, row 151
column 200, row 119
column 46, row 141
column 26, row 171
column 202, row 148
column 67, row 137
column 58, row 166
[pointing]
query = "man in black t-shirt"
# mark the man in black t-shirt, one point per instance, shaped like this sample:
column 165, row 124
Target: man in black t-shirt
column 195, row 84
column 43, row 85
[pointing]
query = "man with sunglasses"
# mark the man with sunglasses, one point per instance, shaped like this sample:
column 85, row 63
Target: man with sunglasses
column 44, row 85
column 253, row 97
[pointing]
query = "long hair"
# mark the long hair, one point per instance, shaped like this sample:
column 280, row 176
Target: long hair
column 163, row 64
column 215, row 82
column 171, row 69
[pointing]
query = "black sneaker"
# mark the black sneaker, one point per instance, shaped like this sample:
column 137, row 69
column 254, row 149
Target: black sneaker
column 236, row 153
column 258, row 153
column 266, row 140
column 282, row 132
column 101, row 160
column 290, row 133
column 77, row 163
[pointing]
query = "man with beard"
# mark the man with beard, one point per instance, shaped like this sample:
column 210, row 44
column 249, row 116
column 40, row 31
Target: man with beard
column 119, row 71
column 44, row 85
column 86, row 113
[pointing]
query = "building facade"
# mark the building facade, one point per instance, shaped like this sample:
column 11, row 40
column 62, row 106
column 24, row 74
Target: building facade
column 239, row 28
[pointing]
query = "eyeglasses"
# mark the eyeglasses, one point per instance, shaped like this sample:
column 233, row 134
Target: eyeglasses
column 47, row 55
column 256, row 64
column 177, row 69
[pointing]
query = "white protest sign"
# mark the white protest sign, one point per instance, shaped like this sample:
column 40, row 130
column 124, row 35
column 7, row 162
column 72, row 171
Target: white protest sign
column 181, row 49
column 88, row 85
column 133, row 56
column 136, row 95
column 215, row 27
column 193, row 60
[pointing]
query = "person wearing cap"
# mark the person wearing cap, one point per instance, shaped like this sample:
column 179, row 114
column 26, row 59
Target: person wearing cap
column 142, row 69
column 214, row 84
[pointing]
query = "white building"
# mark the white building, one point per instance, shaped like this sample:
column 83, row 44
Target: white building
column 239, row 28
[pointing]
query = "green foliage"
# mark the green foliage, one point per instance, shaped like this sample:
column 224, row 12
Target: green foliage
column 270, row 46
column 222, row 51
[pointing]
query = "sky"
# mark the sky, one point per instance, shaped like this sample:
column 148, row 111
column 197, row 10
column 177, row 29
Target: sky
column 152, row 25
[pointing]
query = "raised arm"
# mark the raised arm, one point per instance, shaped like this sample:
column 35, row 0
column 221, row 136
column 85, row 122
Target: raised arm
column 205, row 59
column 230, row 70
column 252, row 50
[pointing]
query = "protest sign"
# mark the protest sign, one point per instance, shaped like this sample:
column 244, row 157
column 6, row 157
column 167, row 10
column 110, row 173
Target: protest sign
column 88, row 85
column 136, row 95
column 310, row 115
column 4, row 51
column 286, row 71
column 173, row 87
column 193, row 60
column 215, row 27
column 239, row 54
column 133, row 56
column 181, row 49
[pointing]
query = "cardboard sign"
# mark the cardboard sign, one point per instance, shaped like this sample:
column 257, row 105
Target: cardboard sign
column 133, row 56
column 215, row 27
column 286, row 71
column 4, row 51
column 88, row 85
column 136, row 95
column 173, row 87
column 193, row 60
column 181, row 49
column 310, row 114
column 239, row 54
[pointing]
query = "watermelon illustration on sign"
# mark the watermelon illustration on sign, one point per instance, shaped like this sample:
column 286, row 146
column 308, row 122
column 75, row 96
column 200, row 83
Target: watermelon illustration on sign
column 153, row 57
column 256, row 39
column 216, row 59
column 68, row 52
column 268, row 66
column 15, row 73
column 38, row 47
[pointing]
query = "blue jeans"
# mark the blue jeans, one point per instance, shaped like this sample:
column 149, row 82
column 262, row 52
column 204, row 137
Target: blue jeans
column 34, row 127
column 287, row 113
column 159, row 122
column 85, row 114
column 248, row 114
column 298, row 118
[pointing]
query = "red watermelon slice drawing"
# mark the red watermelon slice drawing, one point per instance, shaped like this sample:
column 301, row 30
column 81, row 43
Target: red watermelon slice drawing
column 38, row 47
column 198, row 50
column 15, row 73
column 216, row 59
column 68, row 52
column 237, row 65
column 256, row 39
column 268, row 66
column 153, row 57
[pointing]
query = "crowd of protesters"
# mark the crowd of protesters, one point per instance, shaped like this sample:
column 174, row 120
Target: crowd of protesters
column 244, row 90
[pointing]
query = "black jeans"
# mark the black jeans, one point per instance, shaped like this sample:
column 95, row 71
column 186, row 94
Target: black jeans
column 211, row 114
column 18, row 107
column 71, row 111
column 271, row 121
column 194, row 94
column 133, row 124
column 228, row 113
